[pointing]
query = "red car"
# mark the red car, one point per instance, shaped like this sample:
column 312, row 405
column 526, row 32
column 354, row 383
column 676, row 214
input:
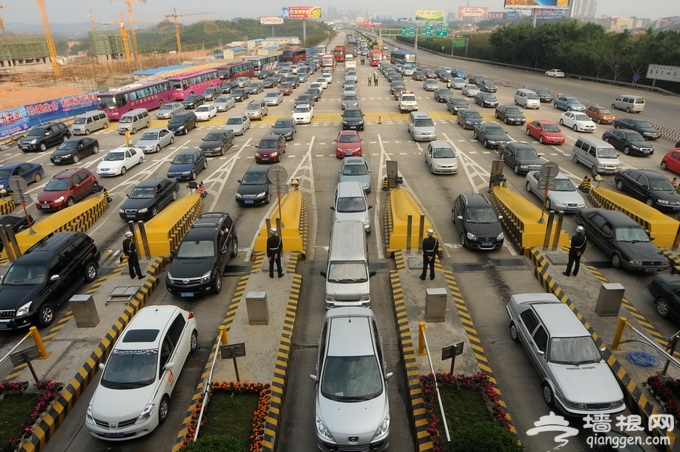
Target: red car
column 286, row 88
column 270, row 149
column 671, row 161
column 66, row 188
column 546, row 132
column 348, row 144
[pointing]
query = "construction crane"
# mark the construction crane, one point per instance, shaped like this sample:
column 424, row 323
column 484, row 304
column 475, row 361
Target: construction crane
column 2, row 24
column 174, row 17
column 48, row 37
column 91, row 17
column 123, row 36
column 133, row 31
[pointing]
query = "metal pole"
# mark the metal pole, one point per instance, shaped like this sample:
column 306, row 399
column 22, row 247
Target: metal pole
column 421, row 230
column 236, row 370
column 548, row 228
column 453, row 39
column 409, row 228
column 558, row 228
column 676, row 242
column 436, row 387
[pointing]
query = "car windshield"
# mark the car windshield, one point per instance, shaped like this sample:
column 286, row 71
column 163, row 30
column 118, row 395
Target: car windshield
column 354, row 170
column 347, row 272
column 607, row 153
column 213, row 136
column 150, row 136
column 80, row 121
column 190, row 249
column 633, row 136
column 235, row 121
column 660, row 184
column 550, row 128
column 581, row 117
column 25, row 275
column 443, row 153
column 526, row 153
column 36, row 132
column 495, row 130
column 425, row 122
column 604, row 111
column 114, row 156
column 272, row 95
column 512, row 110
column 221, row 100
column 267, row 144
column 254, row 179
column 57, row 184
column 203, row 108
column 630, row 234
column 254, row 106
column 351, row 378
column 130, row 369
column 563, row 185
column 302, row 109
column 67, row 145
column 283, row 124
column 574, row 350
column 5, row 174
column 143, row 193
column 348, row 138
column 183, row 159
column 480, row 215
column 349, row 204
column 167, row 107
column 125, row 119
column 644, row 124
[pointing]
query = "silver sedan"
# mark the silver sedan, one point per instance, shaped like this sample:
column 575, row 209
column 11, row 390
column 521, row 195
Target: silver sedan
column 154, row 140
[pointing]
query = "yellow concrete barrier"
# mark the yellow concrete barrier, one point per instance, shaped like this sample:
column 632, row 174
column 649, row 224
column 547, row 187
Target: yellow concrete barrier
column 7, row 205
column 293, row 218
column 403, row 205
column 521, row 219
column 165, row 231
column 660, row 227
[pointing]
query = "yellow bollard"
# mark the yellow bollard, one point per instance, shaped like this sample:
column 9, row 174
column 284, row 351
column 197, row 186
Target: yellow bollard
column 619, row 332
column 33, row 331
column 421, row 338
column 224, row 336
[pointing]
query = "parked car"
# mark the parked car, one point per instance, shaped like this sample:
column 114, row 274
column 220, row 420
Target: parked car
column 119, row 160
column 563, row 197
column 458, row 83
column 670, row 161
column 206, row 112
column 181, row 123
column 270, row 149
column 521, row 157
column 286, row 88
column 356, row 169
column 242, row 82
column 487, row 86
column 510, row 114
column 454, row 104
column 575, row 378
column 72, row 150
column 485, row 99
column 477, row 223
column 254, row 186
column 228, row 86
column 622, row 239
column 66, row 188
column 303, row 99
column 303, row 114
column 650, row 187
column 273, row 98
column 148, row 198
column 187, row 164
column 628, row 141
column 28, row 171
column 154, row 140
column 578, row 122
column 217, row 142
column 16, row 223
column 543, row 94
column 256, row 109
column 285, row 127
column 546, row 132
column 193, row 100
column 237, row 124
column 642, row 126
column 568, row 103
column 468, row 118
column 140, row 373
column 352, row 119
column 490, row 134
column 44, row 277
column 224, row 103
column 44, row 136
column 352, row 406
column 555, row 73
column 202, row 256
column 666, row 292
column 601, row 115
column 167, row 111
column 441, row 158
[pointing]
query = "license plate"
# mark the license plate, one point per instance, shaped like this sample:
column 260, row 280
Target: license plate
column 131, row 216
column 676, row 208
column 4, row 326
column 265, row 159
column 114, row 435
column 45, row 207
column 186, row 294
column 57, row 160
column 249, row 201
column 650, row 270
column 487, row 244
column 446, row 171
column 348, row 153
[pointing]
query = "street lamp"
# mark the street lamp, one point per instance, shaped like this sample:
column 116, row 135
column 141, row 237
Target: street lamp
column 442, row 49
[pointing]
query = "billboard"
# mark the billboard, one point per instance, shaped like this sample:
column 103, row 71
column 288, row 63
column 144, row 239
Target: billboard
column 430, row 14
column 477, row 12
column 302, row 12
column 663, row 72
column 271, row 20
column 495, row 15
column 537, row 3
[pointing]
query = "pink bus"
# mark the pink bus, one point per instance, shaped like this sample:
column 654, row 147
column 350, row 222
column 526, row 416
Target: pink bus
column 231, row 71
column 116, row 102
column 193, row 82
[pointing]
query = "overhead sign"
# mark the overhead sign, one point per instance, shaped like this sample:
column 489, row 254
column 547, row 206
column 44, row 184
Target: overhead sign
column 537, row 3
column 441, row 31
column 663, row 72
column 476, row 12
column 430, row 14
column 271, row 20
column 408, row 32
column 303, row 12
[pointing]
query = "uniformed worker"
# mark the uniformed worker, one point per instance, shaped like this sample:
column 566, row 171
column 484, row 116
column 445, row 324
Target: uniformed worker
column 578, row 246
column 274, row 250
column 430, row 252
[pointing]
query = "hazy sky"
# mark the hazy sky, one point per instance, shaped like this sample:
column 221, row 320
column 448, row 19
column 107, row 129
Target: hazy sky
column 77, row 11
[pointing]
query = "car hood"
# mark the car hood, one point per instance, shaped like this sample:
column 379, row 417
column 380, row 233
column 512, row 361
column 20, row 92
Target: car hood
column 51, row 195
column 588, row 383
column 498, row 136
column 484, row 230
column 641, row 251
column 210, row 144
column 282, row 130
column 571, row 197
column 364, row 179
column 251, row 189
column 190, row 267
column 357, row 419
column 143, row 143
column 175, row 168
column 131, row 203
column 117, row 405
column 525, row 161
column 62, row 152
column 452, row 161
column 11, row 297
column 670, row 196
column 234, row 127
column 111, row 164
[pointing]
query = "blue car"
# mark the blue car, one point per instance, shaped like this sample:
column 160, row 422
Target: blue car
column 458, row 73
column 568, row 103
column 187, row 164
column 30, row 172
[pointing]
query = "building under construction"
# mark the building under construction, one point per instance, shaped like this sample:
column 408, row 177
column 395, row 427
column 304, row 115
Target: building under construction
column 106, row 45
column 22, row 51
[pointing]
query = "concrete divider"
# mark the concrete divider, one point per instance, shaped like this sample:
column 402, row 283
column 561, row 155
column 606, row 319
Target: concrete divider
column 79, row 217
column 398, row 237
column 294, row 220
column 7, row 205
column 662, row 228
column 522, row 221
column 165, row 231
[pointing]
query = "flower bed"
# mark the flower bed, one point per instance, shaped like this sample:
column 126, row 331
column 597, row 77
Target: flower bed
column 667, row 391
column 234, row 389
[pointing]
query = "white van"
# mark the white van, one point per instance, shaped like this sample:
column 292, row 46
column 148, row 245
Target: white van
column 87, row 123
column 598, row 155
column 350, row 203
column 527, row 98
column 347, row 274
column 629, row 103
column 134, row 120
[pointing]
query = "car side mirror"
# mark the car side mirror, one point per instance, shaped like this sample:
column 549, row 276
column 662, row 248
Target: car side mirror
column 332, row 207
column 102, row 366
column 460, row 217
column 372, row 273
column 322, row 273
column 500, row 217
column 54, row 278
column 389, row 375
column 169, row 366
column 370, row 207
column 314, row 378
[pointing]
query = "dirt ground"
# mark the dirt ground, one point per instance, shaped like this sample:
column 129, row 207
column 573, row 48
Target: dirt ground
column 14, row 95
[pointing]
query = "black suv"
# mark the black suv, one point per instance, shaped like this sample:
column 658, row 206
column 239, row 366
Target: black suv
column 44, row 136
column 352, row 119
column 44, row 277
column 199, row 262
column 182, row 122
column 477, row 222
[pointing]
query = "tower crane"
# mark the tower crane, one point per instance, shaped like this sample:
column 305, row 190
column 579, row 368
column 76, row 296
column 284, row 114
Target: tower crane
column 48, row 37
column 123, row 36
column 2, row 24
column 174, row 17
column 91, row 17
column 133, row 32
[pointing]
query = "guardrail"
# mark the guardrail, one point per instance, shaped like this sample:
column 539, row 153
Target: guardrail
column 405, row 215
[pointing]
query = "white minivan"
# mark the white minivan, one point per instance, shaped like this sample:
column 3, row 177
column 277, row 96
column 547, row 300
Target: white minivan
column 527, row 98
column 89, row 122
column 134, row 120
column 350, row 203
column 597, row 155
column 629, row 103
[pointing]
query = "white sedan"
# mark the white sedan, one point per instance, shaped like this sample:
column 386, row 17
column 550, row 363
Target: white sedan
column 224, row 103
column 470, row 90
column 119, row 160
column 579, row 122
column 206, row 112
column 303, row 114
column 555, row 73
column 273, row 98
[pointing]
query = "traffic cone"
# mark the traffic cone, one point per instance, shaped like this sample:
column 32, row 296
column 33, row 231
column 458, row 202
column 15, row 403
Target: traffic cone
column 106, row 196
column 379, row 119
column 385, row 184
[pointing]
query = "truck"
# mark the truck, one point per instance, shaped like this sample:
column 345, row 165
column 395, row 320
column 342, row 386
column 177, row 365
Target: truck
column 350, row 49
column 350, row 62
column 339, row 53
column 407, row 102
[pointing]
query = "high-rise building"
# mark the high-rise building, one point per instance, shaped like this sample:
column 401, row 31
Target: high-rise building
column 582, row 8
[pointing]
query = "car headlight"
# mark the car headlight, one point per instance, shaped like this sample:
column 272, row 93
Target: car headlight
column 24, row 308
column 634, row 262
column 524, row 166
column 239, row 196
column 384, row 428
column 261, row 194
column 88, row 416
column 59, row 199
column 322, row 429
column 146, row 413
column 471, row 236
column 121, row 210
column 143, row 210
column 662, row 201
column 274, row 154
column 34, row 141
column 366, row 221
column 574, row 405
column 500, row 236
column 559, row 203
column 206, row 277
column 330, row 297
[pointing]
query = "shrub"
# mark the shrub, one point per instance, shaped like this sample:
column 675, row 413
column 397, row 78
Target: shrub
column 215, row 443
column 484, row 437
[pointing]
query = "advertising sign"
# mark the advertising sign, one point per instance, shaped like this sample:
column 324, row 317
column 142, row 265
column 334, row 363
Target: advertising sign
column 271, row 20
column 304, row 12
column 430, row 14
column 663, row 72
column 537, row 3
column 383, row 18
column 403, row 19
column 477, row 12
column 495, row 15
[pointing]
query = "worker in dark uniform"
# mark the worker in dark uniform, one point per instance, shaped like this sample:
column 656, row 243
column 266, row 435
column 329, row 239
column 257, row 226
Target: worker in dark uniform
column 430, row 252
column 274, row 250
column 578, row 246
column 130, row 251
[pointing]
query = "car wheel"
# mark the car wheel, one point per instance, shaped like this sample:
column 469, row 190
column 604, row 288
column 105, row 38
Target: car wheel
column 514, row 334
column 172, row 140
column 194, row 341
column 496, row 115
column 664, row 166
column 528, row 186
column 516, row 169
column 628, row 110
column 548, row 204
column 555, row 105
column 46, row 314
column 205, row 164
column 123, row 170
column 540, row 139
column 158, row 148
column 575, row 127
column 90, row 272
column 527, row 132
column 217, row 284
column 95, row 150
column 174, row 195
column 649, row 202
column 626, row 150
column 267, row 200
column 505, row 120
column 37, row 177
column 154, row 212
column 599, row 121
column 462, row 238
column 141, row 160
column 234, row 247
column 76, row 159
column 616, row 260
column 43, row 147
column 163, row 409
column 70, row 201
column 662, row 307
column 474, row 135
column 486, row 143
column 87, row 131
column 192, row 176
column 133, row 131
column 548, row 395
column 561, row 122
column 574, row 157
column 593, row 171
column 619, row 184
